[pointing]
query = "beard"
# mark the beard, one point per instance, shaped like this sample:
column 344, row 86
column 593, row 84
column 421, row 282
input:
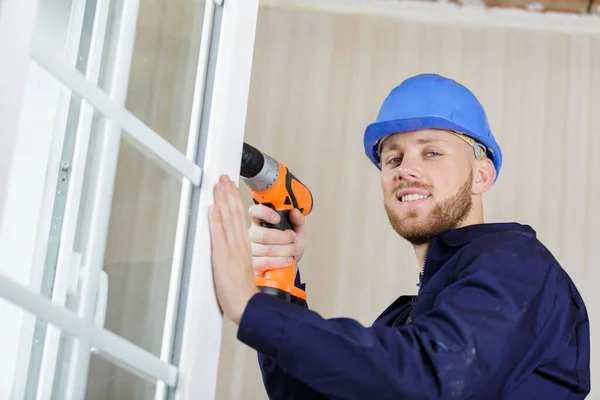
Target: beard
column 445, row 216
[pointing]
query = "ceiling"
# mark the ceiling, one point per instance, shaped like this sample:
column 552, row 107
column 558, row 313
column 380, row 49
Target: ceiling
column 580, row 7
column 568, row 6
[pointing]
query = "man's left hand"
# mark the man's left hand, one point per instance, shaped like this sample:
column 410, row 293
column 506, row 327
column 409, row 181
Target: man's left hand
column 231, row 251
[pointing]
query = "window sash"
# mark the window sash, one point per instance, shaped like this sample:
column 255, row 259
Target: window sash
column 223, row 128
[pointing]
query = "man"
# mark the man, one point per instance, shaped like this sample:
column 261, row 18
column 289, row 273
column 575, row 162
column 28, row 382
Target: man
column 496, row 316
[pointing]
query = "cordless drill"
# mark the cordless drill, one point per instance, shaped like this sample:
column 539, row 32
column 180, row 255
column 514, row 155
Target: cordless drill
column 272, row 184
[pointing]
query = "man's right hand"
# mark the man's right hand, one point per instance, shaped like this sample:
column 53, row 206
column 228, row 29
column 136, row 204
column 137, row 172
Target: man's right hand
column 273, row 248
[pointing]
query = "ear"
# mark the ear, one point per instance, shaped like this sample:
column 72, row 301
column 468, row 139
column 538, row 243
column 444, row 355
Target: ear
column 484, row 175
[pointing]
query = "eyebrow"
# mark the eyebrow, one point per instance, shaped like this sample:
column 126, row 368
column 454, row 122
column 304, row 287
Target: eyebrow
column 394, row 146
column 434, row 140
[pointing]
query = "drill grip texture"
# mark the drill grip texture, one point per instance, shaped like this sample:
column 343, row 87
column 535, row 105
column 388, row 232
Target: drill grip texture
column 284, row 221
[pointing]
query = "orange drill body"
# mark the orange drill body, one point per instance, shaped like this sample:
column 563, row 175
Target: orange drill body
column 286, row 193
column 272, row 184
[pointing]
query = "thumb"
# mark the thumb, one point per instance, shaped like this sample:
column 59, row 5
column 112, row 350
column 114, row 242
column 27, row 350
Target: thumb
column 297, row 220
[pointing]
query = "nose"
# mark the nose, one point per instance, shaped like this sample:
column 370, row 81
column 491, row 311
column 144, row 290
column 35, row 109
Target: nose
column 409, row 169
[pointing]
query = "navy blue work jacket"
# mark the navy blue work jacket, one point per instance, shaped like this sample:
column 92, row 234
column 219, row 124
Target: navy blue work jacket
column 496, row 317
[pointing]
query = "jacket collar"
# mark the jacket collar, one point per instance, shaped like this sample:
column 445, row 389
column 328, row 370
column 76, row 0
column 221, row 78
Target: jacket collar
column 446, row 244
column 464, row 235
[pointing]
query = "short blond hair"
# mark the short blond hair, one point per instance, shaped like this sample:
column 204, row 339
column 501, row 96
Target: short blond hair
column 478, row 148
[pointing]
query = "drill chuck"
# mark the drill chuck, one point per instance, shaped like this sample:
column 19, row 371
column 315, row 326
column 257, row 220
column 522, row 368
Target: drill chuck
column 258, row 170
column 252, row 161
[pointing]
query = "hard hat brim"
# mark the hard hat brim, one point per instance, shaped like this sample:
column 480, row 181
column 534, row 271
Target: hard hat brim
column 379, row 130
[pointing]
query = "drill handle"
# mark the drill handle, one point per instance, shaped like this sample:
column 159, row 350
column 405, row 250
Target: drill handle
column 280, row 281
column 284, row 221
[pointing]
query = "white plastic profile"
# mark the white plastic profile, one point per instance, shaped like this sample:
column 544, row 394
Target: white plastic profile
column 67, row 258
column 119, row 350
column 140, row 135
column 201, row 335
column 183, row 216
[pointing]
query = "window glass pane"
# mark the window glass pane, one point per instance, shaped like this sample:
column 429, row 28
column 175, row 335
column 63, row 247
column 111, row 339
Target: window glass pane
column 107, row 381
column 64, row 27
column 164, row 59
column 140, row 243
column 164, row 64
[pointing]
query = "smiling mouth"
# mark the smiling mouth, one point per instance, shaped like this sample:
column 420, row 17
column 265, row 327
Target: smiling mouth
column 412, row 197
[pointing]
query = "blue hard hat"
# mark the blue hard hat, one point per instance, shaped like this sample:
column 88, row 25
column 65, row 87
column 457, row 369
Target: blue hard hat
column 430, row 101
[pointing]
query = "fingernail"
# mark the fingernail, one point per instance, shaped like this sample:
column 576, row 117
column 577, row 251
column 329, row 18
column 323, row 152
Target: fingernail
column 289, row 260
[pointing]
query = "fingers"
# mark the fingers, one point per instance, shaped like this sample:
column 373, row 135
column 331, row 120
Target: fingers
column 259, row 213
column 262, row 235
column 263, row 264
column 298, row 220
column 223, row 207
column 237, row 211
column 284, row 250
column 218, row 238
column 231, row 211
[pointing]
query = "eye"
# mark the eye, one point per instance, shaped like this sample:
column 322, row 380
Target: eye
column 394, row 160
column 432, row 154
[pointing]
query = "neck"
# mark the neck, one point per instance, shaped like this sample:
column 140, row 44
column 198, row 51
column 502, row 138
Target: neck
column 421, row 252
column 475, row 217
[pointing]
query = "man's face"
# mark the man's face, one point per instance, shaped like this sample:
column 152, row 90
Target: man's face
column 426, row 177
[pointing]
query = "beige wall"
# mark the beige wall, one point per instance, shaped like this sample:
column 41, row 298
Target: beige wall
column 319, row 78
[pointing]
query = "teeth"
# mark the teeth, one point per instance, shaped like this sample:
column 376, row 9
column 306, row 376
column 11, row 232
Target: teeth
column 412, row 197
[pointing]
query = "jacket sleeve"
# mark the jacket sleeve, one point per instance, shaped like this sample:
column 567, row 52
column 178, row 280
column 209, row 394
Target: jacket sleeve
column 478, row 330
column 278, row 383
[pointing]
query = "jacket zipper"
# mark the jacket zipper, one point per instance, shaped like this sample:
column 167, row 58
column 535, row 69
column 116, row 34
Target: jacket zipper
column 420, row 285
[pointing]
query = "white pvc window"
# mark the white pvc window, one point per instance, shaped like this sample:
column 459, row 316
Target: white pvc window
column 69, row 146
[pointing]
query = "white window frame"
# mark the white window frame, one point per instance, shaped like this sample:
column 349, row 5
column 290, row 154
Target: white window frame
column 69, row 263
column 15, row 16
column 201, row 332
column 200, row 347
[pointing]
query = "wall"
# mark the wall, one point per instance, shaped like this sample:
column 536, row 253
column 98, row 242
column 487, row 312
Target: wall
column 319, row 79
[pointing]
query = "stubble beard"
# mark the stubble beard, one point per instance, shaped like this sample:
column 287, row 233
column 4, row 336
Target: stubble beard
column 445, row 216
